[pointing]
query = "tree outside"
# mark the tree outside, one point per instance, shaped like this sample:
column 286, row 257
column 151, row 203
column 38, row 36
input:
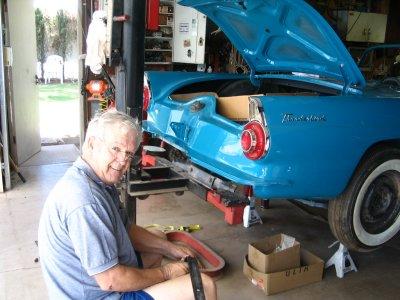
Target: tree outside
column 64, row 33
column 55, row 35
column 42, row 25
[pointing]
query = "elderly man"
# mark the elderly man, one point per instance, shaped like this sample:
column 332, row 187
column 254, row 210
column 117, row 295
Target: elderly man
column 87, row 249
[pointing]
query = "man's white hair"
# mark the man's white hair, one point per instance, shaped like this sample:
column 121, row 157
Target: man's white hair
column 109, row 120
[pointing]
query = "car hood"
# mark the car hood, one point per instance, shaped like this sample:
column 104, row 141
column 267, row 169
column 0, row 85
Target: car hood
column 283, row 36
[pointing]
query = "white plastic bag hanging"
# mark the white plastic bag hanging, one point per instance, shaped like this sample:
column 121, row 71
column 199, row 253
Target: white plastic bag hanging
column 96, row 42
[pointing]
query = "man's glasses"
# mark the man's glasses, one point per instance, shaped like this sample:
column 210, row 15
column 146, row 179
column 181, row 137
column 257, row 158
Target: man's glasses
column 121, row 155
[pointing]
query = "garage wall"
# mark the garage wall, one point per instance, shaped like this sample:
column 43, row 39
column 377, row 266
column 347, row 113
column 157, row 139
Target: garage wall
column 393, row 24
column 24, row 94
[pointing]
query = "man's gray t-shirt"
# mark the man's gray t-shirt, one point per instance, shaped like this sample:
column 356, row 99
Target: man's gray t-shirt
column 82, row 232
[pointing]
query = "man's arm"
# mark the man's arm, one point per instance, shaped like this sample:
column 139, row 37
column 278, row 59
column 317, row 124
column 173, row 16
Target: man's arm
column 145, row 241
column 121, row 278
column 90, row 231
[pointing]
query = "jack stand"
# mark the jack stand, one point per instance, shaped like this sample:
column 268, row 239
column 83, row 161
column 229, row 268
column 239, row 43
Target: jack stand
column 340, row 259
column 250, row 215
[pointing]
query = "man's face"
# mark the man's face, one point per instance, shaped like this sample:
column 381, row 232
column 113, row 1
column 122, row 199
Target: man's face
column 112, row 154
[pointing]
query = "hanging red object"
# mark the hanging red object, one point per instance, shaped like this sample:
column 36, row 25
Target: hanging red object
column 152, row 14
column 96, row 89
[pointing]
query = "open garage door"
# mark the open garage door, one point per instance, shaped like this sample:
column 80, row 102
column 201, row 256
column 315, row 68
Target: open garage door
column 24, row 115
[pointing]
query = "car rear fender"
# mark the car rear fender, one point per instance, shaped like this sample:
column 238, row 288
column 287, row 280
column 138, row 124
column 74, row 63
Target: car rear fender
column 316, row 142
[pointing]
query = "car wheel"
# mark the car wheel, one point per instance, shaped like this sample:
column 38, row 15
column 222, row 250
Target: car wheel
column 367, row 214
column 393, row 82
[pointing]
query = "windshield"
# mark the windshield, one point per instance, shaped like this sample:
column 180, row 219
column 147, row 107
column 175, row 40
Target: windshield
column 380, row 62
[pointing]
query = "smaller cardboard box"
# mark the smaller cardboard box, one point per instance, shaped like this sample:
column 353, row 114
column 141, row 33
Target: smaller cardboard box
column 162, row 20
column 163, row 9
column 272, row 283
column 275, row 253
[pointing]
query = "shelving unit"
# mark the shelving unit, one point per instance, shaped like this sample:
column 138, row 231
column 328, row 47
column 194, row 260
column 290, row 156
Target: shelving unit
column 176, row 34
column 157, row 63
column 158, row 50
column 159, row 44
column 158, row 38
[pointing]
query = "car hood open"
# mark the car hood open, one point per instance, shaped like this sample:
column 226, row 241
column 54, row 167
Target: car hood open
column 283, row 36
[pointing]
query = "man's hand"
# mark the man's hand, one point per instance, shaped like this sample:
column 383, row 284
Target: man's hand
column 173, row 270
column 180, row 252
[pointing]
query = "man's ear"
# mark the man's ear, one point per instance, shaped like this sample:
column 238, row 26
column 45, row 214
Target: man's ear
column 91, row 143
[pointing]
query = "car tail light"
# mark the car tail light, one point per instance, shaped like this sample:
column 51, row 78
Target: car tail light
column 146, row 97
column 254, row 140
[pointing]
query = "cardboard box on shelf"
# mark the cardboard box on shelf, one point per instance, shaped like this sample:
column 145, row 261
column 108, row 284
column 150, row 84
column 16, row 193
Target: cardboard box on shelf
column 311, row 271
column 164, row 9
column 167, row 57
column 162, row 19
column 275, row 253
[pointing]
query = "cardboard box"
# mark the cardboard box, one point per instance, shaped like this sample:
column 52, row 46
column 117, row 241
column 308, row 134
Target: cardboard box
column 167, row 57
column 272, row 283
column 235, row 108
column 264, row 258
column 162, row 20
column 163, row 9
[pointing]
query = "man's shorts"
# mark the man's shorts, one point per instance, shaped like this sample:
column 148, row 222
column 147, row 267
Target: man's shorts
column 136, row 295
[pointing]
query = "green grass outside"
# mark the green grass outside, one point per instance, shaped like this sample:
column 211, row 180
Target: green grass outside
column 59, row 92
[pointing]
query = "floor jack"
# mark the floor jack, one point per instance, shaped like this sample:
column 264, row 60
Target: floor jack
column 250, row 214
column 342, row 261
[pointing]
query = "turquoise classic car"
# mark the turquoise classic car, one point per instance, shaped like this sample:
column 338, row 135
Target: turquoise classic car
column 303, row 125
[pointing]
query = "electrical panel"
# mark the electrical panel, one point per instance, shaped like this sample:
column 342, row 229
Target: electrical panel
column 189, row 35
column 362, row 26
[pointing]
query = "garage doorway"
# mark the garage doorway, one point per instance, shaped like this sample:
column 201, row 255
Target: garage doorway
column 57, row 72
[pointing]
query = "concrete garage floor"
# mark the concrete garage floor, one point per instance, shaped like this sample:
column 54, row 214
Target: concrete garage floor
column 20, row 275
